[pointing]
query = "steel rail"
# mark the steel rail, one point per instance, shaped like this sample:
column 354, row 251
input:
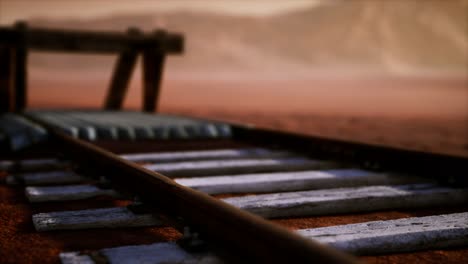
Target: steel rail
column 249, row 236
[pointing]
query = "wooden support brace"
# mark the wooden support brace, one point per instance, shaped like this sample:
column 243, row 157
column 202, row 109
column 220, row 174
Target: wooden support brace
column 121, row 77
column 6, row 79
column 153, row 61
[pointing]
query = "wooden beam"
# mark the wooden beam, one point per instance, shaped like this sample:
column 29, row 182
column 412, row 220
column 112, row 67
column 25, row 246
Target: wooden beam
column 153, row 62
column 93, row 218
column 20, row 65
column 229, row 166
column 349, row 200
column 399, row 235
column 6, row 79
column 293, row 181
column 162, row 252
column 39, row 194
column 48, row 177
column 121, row 77
column 191, row 155
column 90, row 42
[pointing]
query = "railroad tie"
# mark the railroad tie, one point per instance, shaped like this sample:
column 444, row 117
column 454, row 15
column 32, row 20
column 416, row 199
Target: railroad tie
column 294, row 181
column 407, row 234
column 115, row 217
column 249, row 183
column 26, row 165
column 167, row 252
column 369, row 238
column 216, row 167
column 45, row 178
column 20, row 133
column 349, row 200
column 66, row 193
column 206, row 155
column 127, row 125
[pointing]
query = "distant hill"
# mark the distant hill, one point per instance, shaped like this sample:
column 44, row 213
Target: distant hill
column 378, row 36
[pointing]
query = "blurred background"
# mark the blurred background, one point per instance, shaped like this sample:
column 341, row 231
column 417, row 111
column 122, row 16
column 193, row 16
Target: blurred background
column 382, row 72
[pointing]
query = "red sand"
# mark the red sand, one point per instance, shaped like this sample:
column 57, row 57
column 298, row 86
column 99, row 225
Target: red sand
column 428, row 114
column 439, row 135
column 374, row 96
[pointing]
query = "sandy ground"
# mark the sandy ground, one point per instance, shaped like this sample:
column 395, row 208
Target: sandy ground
column 424, row 113
column 449, row 136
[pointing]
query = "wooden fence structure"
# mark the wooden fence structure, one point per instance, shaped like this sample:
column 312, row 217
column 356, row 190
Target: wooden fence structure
column 17, row 41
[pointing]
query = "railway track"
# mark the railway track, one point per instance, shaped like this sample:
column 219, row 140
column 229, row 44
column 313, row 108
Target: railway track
column 244, row 195
column 125, row 187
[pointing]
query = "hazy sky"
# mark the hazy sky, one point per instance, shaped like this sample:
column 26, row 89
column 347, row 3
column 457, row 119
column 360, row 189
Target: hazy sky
column 11, row 10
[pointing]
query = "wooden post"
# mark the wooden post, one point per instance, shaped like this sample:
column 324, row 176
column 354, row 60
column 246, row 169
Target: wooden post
column 153, row 61
column 6, row 79
column 20, row 65
column 122, row 74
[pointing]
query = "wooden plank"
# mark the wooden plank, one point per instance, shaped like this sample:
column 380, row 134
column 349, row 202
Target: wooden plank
column 216, row 167
column 35, row 132
column 128, row 125
column 121, row 77
column 26, row 165
column 95, row 218
column 42, row 39
column 250, row 183
column 18, row 136
column 153, row 62
column 349, row 200
column 21, row 132
column 66, row 193
column 57, row 120
column 407, row 234
column 48, row 178
column 6, row 79
column 157, row 253
column 205, row 155
column 293, row 181
column 6, row 165
column 75, row 258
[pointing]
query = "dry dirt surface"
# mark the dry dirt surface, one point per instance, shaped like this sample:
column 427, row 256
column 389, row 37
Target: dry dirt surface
column 443, row 135
column 425, row 113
